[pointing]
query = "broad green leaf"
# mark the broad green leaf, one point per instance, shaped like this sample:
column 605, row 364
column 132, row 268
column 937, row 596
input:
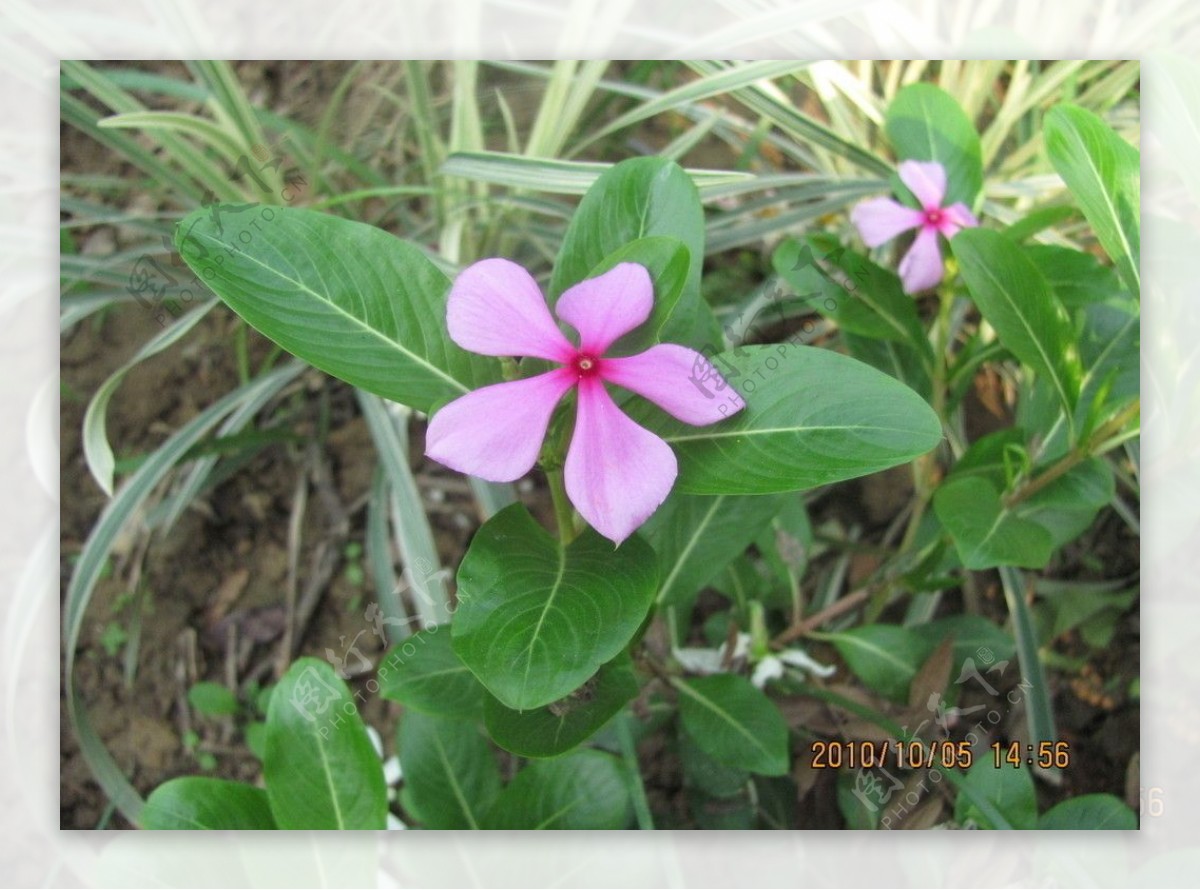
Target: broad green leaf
column 1078, row 604
column 924, row 123
column 1067, row 506
column 1103, row 172
column 212, row 699
column 320, row 767
column 668, row 262
column 561, row 726
column 707, row 775
column 535, row 621
column 1077, row 278
column 1009, row 789
column 859, row 295
column 885, row 657
column 1110, row 346
column 587, row 790
column 635, row 199
column 696, row 536
column 1016, row 300
column 904, row 362
column 812, row 417
column 199, row 803
column 985, row 532
column 975, row 637
column 346, row 297
column 424, row 674
column 450, row 774
column 734, row 723
column 1039, row 220
column 1090, row 812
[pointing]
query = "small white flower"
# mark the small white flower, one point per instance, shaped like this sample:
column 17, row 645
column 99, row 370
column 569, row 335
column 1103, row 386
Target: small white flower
column 711, row 661
column 800, row 659
column 770, row 668
column 394, row 824
column 391, row 771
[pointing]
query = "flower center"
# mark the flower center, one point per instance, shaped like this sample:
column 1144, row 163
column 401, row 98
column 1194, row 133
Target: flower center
column 933, row 217
column 586, row 365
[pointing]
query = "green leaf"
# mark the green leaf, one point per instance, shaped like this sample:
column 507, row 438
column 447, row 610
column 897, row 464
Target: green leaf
column 346, row 297
column 734, row 723
column 320, row 767
column 668, row 262
column 1090, row 812
column 697, row 536
column 859, row 295
column 1016, row 300
column 1103, row 172
column 1110, row 346
column 1078, row 279
column 1078, row 604
column 1009, row 789
column 707, row 775
column 450, row 775
column 812, row 417
column 985, row 532
column 636, row 198
column 424, row 674
column 587, row 790
column 883, row 656
column 974, row 636
column 198, row 803
column 212, row 699
column 1068, row 505
column 924, row 123
column 535, row 621
column 556, row 729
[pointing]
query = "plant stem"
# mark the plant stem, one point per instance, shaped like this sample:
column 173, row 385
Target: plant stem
column 845, row 604
column 925, row 468
column 563, row 513
column 641, row 806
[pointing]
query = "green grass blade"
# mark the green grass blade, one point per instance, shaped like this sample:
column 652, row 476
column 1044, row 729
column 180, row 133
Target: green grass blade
column 127, row 503
column 389, row 429
column 1038, row 705
column 96, row 450
column 555, row 176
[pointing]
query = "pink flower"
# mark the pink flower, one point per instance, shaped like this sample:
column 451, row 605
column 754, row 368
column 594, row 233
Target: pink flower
column 616, row 472
column 879, row 220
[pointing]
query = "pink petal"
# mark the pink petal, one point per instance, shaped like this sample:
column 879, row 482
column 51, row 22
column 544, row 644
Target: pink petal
column 617, row 473
column 496, row 308
column 496, row 432
column 608, row 306
column 879, row 220
column 921, row 268
column 679, row 380
column 926, row 180
column 956, row 217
